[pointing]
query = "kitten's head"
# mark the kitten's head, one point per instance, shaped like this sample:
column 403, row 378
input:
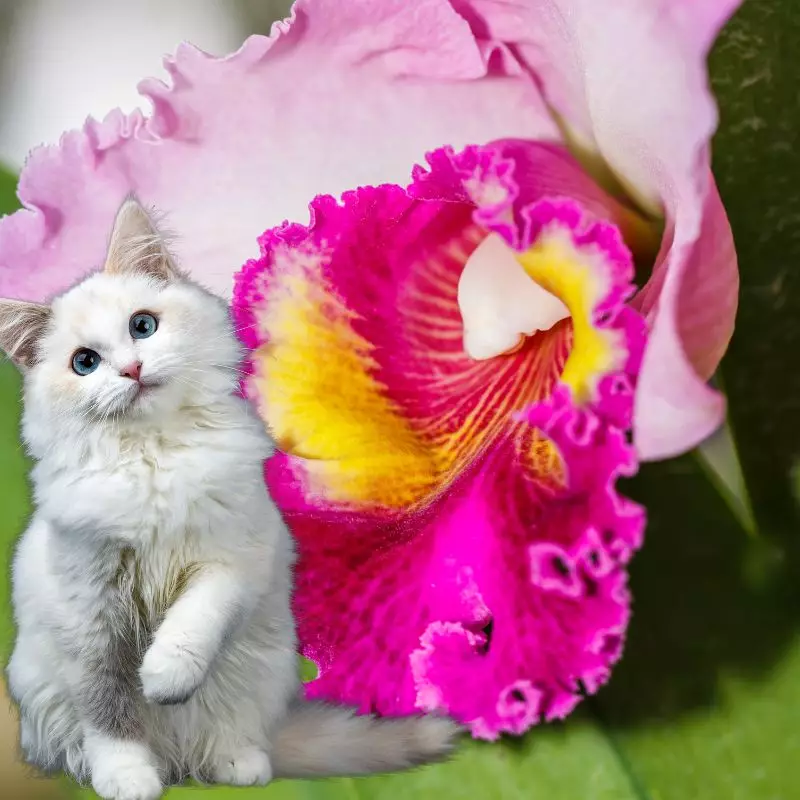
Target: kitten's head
column 132, row 342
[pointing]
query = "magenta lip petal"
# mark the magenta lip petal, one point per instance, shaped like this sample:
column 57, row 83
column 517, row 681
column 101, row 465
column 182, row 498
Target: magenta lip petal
column 497, row 601
column 578, row 578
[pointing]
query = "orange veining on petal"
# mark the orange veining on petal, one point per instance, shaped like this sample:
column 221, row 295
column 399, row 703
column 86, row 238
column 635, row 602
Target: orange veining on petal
column 476, row 399
column 377, row 438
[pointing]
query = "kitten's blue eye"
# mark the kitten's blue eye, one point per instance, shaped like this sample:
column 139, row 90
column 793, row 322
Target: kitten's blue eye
column 85, row 361
column 142, row 325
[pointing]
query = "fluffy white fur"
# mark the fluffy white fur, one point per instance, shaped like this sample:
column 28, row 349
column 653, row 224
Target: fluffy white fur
column 151, row 589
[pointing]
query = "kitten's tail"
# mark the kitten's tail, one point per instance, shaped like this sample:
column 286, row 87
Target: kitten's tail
column 319, row 740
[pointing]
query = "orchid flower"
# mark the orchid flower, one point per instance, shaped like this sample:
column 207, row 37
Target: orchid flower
column 450, row 356
column 462, row 544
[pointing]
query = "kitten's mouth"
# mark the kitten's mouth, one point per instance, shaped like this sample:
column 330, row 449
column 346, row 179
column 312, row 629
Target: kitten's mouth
column 143, row 390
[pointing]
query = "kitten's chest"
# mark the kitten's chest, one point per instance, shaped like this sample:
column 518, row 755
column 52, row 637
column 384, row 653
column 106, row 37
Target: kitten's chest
column 158, row 489
column 161, row 479
column 151, row 490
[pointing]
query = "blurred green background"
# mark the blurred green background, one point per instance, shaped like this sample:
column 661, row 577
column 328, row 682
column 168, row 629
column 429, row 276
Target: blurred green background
column 706, row 702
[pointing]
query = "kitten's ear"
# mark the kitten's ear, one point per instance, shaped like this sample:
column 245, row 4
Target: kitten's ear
column 21, row 327
column 136, row 246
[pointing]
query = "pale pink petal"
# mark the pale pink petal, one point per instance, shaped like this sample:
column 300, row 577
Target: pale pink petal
column 675, row 410
column 709, row 294
column 629, row 79
column 347, row 93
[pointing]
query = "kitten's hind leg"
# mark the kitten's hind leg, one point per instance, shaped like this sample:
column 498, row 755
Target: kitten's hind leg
column 242, row 765
column 233, row 721
column 121, row 769
column 49, row 734
column 237, row 746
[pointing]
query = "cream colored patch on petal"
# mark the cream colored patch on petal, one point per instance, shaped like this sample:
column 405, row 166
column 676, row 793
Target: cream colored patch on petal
column 500, row 305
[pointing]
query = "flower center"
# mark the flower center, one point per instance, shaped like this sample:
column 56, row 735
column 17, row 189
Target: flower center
column 500, row 305
column 505, row 296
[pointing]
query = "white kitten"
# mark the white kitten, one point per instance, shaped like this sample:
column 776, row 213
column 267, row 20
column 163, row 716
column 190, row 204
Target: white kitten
column 151, row 590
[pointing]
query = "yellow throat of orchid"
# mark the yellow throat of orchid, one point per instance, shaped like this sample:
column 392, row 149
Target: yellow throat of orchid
column 327, row 402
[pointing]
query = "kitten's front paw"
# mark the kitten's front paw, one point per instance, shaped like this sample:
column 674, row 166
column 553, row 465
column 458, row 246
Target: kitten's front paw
column 170, row 673
column 247, row 766
column 126, row 776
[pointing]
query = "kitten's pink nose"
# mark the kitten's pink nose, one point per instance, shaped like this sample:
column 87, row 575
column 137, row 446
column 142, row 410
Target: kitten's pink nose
column 133, row 370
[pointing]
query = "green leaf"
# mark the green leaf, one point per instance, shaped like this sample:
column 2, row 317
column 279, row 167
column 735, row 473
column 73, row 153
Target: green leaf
column 15, row 505
column 8, row 192
column 704, row 701
column 308, row 670
column 13, row 464
column 757, row 161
